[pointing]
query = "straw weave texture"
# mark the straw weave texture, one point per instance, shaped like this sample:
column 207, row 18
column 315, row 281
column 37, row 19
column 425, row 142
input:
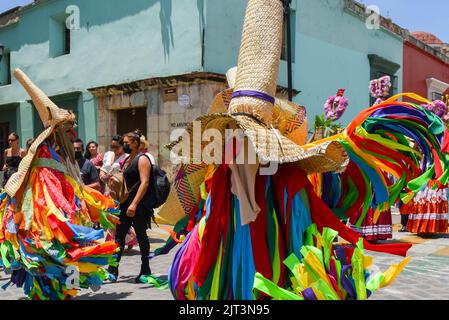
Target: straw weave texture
column 259, row 57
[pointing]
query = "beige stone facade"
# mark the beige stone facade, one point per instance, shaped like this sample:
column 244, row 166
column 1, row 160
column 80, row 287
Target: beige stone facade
column 170, row 104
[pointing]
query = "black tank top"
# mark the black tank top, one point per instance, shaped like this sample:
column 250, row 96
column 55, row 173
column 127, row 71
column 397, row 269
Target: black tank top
column 13, row 162
column 132, row 176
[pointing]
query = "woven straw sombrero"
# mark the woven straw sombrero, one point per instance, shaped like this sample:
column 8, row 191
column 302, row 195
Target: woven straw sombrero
column 252, row 107
column 52, row 118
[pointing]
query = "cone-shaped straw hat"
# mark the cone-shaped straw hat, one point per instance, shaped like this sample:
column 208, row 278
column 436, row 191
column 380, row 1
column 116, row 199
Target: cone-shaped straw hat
column 51, row 116
column 49, row 112
column 252, row 106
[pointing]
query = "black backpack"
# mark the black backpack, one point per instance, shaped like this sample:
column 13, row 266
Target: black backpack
column 159, row 188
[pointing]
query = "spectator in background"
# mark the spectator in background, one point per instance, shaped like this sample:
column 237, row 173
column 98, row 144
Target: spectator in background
column 144, row 145
column 89, row 174
column 111, row 160
column 13, row 155
column 93, row 155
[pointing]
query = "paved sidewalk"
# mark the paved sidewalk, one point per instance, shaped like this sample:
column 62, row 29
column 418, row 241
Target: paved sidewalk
column 426, row 277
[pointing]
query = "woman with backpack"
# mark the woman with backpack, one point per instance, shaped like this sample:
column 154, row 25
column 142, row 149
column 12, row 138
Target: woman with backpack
column 134, row 211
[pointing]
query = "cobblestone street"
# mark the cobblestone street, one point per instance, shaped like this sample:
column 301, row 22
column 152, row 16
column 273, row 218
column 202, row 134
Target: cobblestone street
column 426, row 277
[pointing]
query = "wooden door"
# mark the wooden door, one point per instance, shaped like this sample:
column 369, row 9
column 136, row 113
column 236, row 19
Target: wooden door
column 131, row 119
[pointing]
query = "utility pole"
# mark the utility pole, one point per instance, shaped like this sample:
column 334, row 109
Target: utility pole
column 287, row 21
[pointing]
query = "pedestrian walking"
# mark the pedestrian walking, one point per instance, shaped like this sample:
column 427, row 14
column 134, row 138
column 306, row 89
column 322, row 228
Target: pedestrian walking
column 133, row 211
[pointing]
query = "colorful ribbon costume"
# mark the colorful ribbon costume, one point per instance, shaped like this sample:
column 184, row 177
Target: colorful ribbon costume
column 46, row 240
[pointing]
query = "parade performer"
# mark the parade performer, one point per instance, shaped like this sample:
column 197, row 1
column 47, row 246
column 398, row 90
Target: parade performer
column 47, row 242
column 244, row 225
column 376, row 225
column 428, row 211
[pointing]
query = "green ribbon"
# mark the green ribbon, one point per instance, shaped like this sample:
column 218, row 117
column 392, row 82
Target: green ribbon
column 328, row 240
column 358, row 271
column 268, row 287
column 156, row 281
column 28, row 207
column 292, row 262
column 49, row 163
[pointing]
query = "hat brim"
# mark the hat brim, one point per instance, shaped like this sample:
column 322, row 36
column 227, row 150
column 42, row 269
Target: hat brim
column 270, row 145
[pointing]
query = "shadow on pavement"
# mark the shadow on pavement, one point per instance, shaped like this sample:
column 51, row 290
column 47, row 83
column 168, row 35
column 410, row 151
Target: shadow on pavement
column 433, row 236
column 104, row 296
column 157, row 240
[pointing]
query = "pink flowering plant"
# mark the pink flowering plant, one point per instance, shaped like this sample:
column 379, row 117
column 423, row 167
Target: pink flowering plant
column 439, row 108
column 380, row 88
column 334, row 108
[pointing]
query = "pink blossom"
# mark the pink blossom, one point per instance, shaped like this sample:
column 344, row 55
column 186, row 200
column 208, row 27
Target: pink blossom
column 380, row 88
column 438, row 107
column 335, row 106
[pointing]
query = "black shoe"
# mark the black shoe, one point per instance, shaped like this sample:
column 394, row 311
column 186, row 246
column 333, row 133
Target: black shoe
column 144, row 271
column 403, row 229
column 114, row 273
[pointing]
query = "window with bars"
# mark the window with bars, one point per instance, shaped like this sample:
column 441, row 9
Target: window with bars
column 436, row 96
column 382, row 67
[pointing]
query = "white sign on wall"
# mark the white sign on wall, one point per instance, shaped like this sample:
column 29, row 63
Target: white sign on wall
column 184, row 100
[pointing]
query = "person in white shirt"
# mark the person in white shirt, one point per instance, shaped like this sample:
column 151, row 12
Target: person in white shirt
column 144, row 145
column 112, row 161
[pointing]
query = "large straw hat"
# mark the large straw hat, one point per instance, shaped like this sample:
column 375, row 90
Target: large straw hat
column 252, row 105
column 51, row 116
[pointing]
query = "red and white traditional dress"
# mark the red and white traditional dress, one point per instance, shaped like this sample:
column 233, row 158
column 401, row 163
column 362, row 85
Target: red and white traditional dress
column 428, row 211
column 381, row 230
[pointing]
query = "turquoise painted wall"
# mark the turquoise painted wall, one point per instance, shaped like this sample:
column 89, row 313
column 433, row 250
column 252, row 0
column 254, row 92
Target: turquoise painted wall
column 224, row 23
column 118, row 42
column 331, row 50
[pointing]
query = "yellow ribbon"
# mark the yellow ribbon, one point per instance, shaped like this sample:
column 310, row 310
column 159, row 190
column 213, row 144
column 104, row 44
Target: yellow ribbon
column 410, row 95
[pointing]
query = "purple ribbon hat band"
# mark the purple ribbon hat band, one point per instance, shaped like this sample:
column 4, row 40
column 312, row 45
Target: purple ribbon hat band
column 253, row 94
